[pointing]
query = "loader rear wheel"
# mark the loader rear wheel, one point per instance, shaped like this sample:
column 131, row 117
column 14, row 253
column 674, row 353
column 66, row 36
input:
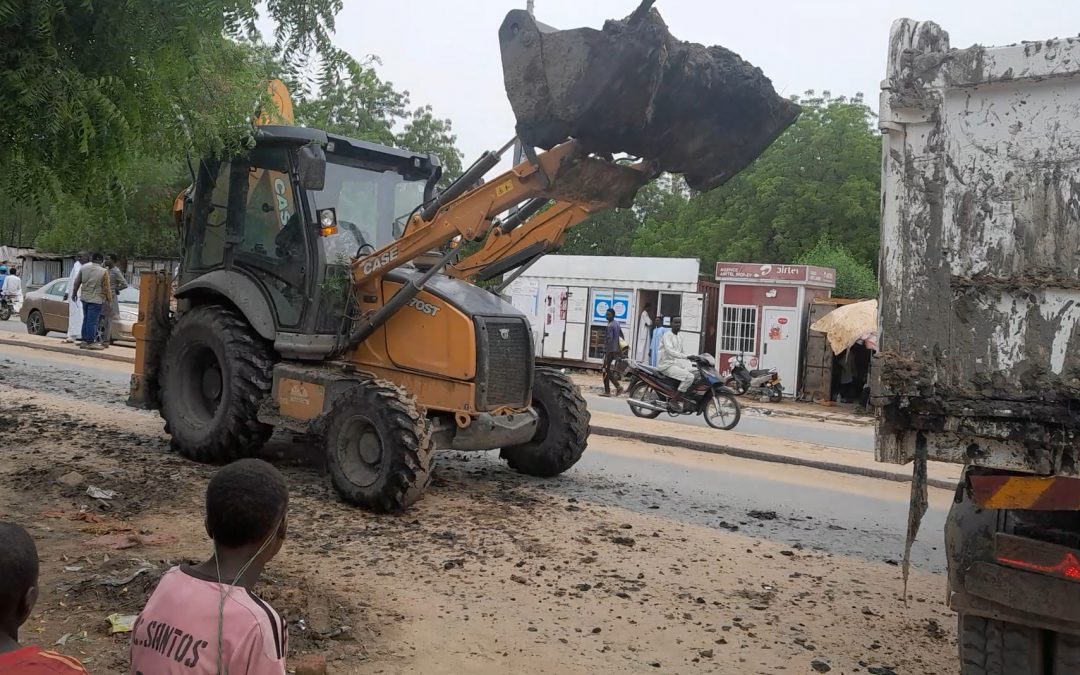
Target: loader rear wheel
column 562, row 432
column 216, row 371
column 991, row 647
column 378, row 447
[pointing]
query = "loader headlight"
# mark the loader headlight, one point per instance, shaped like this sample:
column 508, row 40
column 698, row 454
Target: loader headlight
column 327, row 222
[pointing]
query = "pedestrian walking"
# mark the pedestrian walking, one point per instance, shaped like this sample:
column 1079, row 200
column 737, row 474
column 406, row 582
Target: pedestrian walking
column 91, row 288
column 117, row 283
column 613, row 339
column 75, row 313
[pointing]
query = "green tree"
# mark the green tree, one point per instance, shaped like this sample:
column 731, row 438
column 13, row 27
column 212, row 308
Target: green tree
column 362, row 105
column 854, row 279
column 821, row 176
column 131, row 218
column 614, row 232
column 85, row 85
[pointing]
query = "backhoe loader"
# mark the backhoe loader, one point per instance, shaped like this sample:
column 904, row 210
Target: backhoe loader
column 322, row 290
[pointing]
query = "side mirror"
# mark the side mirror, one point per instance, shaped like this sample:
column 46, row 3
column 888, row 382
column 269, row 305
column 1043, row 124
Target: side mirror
column 312, row 167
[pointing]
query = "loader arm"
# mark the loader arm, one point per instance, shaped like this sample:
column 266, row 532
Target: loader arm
column 506, row 248
column 564, row 173
column 579, row 184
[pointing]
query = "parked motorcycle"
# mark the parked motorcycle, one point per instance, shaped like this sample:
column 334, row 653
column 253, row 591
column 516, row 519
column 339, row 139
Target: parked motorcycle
column 763, row 382
column 652, row 393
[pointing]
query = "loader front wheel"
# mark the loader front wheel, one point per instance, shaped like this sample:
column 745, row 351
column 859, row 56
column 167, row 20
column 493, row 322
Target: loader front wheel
column 562, row 432
column 378, row 447
column 216, row 371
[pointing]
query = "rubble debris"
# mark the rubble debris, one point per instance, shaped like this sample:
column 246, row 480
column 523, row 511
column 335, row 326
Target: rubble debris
column 633, row 88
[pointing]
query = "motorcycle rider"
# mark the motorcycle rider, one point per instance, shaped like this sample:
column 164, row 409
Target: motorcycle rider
column 672, row 361
column 11, row 289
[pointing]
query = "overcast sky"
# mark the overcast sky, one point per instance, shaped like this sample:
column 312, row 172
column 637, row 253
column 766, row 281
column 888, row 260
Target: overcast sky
column 446, row 52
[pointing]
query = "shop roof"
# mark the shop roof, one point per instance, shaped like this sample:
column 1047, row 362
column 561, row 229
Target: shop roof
column 638, row 271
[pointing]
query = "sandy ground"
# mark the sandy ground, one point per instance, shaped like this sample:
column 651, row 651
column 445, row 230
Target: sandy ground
column 489, row 573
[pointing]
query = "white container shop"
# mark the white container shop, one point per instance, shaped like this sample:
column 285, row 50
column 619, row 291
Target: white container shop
column 566, row 298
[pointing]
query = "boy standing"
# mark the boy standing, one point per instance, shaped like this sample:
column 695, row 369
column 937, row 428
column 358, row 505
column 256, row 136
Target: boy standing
column 203, row 619
column 18, row 594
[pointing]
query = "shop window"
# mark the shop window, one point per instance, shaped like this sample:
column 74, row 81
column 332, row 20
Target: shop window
column 670, row 304
column 738, row 330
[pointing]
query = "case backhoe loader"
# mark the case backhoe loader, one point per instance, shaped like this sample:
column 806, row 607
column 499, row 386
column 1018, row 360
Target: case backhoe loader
column 321, row 290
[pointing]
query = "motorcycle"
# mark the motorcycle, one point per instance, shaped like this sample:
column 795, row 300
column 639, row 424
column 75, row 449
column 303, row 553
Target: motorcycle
column 764, row 382
column 6, row 308
column 652, row 393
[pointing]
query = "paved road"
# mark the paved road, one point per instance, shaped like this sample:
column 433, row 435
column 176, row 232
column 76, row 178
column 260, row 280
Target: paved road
column 835, row 435
column 846, row 515
column 13, row 325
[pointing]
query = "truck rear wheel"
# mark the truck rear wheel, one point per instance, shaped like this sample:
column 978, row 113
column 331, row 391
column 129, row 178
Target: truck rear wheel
column 991, row 647
column 215, row 373
column 562, row 432
column 378, row 447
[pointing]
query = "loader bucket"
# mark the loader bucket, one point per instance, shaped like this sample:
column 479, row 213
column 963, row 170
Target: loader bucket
column 633, row 88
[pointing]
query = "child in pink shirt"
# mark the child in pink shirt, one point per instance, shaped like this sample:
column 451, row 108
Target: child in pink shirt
column 203, row 619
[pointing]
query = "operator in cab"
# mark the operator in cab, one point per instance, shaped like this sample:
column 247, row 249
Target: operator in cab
column 672, row 360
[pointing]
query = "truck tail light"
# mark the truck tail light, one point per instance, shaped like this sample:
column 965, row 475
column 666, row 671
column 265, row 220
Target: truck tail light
column 1036, row 556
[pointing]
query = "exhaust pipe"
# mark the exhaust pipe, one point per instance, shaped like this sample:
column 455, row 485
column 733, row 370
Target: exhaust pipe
column 648, row 406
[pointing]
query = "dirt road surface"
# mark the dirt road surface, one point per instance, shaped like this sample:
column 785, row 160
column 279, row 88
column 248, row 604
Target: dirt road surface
column 490, row 573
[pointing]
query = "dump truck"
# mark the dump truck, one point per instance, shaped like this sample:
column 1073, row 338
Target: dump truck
column 327, row 286
column 979, row 360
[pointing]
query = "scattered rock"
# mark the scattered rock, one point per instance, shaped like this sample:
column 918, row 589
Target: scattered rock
column 518, row 579
column 310, row 664
column 880, row 670
column 71, row 479
column 596, row 630
column 762, row 515
column 654, row 664
column 820, row 666
column 705, row 653
column 583, row 587
column 623, row 541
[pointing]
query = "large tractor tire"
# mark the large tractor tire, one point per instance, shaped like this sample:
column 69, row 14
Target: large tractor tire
column 378, row 447
column 991, row 647
column 216, row 372
column 562, row 432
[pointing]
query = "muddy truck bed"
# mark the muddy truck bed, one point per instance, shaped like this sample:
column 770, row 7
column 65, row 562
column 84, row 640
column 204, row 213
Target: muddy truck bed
column 980, row 258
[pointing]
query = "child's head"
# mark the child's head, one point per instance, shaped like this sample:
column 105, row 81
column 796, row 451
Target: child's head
column 19, row 570
column 246, row 503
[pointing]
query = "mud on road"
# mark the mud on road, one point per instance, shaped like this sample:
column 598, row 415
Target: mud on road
column 490, row 573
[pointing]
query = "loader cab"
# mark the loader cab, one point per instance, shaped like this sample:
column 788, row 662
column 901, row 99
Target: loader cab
column 253, row 231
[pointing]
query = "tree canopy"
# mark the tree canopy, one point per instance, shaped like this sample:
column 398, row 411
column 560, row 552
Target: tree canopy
column 820, row 177
column 104, row 101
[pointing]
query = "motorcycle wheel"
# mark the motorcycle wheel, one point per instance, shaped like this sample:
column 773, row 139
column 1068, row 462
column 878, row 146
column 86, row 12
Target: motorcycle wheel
column 736, row 385
column 5, row 312
column 643, row 392
column 722, row 411
column 776, row 394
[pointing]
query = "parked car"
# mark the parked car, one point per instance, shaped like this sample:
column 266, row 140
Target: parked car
column 46, row 309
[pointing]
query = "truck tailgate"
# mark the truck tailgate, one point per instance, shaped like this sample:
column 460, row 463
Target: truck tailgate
column 980, row 253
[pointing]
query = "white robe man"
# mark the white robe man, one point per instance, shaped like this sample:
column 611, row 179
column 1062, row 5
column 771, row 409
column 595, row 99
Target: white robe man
column 75, row 317
column 644, row 335
column 673, row 361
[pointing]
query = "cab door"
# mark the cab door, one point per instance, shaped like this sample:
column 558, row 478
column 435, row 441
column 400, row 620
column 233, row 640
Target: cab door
column 266, row 237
